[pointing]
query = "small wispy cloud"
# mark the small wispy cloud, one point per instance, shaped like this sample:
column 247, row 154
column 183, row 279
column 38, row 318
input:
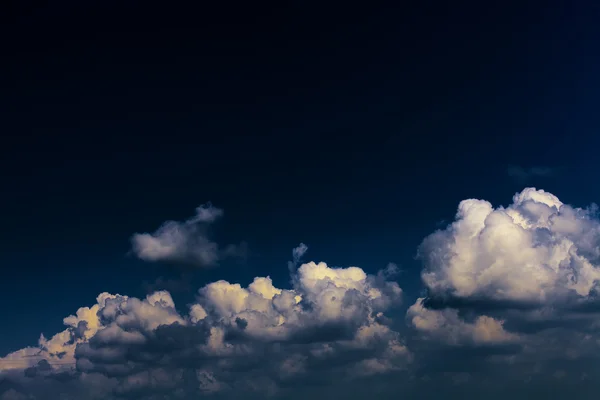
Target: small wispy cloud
column 181, row 284
column 185, row 242
column 297, row 254
column 523, row 174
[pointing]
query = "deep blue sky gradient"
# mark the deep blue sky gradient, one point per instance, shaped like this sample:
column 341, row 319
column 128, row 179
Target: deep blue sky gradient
column 355, row 131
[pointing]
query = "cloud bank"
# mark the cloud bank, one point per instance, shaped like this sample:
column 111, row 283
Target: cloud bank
column 297, row 254
column 233, row 340
column 510, row 307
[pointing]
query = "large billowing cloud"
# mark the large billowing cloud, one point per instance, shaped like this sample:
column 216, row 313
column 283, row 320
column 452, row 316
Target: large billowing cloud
column 185, row 242
column 233, row 340
column 510, row 308
column 522, row 280
column 536, row 251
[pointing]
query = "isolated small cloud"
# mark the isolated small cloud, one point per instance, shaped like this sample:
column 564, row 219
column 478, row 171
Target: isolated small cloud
column 185, row 242
column 523, row 174
column 206, row 213
column 299, row 251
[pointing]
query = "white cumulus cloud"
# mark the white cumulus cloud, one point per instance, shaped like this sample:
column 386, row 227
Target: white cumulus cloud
column 524, row 275
column 232, row 339
column 536, row 250
column 510, row 305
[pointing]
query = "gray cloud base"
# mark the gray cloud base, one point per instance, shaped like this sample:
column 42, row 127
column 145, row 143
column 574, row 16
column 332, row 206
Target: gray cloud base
column 511, row 309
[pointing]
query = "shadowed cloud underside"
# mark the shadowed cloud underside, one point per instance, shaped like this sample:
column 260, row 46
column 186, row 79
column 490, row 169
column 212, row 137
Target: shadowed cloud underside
column 506, row 286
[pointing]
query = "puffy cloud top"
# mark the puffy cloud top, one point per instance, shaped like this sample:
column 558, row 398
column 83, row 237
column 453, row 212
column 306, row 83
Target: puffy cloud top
column 140, row 347
column 535, row 250
column 504, row 286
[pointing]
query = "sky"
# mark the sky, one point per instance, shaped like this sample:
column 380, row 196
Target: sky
column 292, row 199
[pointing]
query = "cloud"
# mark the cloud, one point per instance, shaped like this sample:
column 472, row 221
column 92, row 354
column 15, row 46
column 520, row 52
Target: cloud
column 185, row 242
column 447, row 326
column 509, row 307
column 536, row 251
column 518, row 282
column 297, row 254
column 233, row 340
column 522, row 174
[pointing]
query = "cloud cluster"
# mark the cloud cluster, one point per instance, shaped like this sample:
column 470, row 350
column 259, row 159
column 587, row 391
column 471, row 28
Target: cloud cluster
column 329, row 325
column 525, row 275
column 510, row 306
column 185, row 242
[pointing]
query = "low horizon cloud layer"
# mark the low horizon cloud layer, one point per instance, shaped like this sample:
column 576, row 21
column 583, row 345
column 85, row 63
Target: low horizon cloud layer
column 510, row 307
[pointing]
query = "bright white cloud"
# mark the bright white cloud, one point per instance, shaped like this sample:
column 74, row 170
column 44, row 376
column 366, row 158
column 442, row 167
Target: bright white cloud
column 526, row 275
column 511, row 298
column 536, row 250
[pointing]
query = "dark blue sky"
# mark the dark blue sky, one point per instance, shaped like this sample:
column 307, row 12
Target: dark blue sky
column 355, row 130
